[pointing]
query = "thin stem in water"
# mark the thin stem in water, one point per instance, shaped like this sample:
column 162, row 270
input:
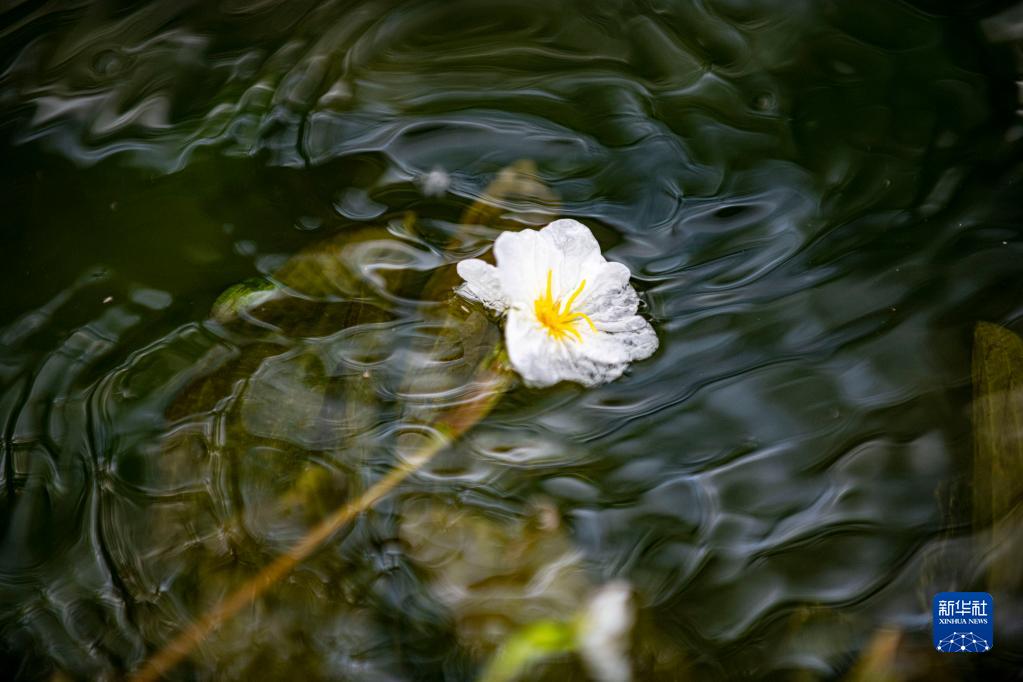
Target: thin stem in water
column 491, row 382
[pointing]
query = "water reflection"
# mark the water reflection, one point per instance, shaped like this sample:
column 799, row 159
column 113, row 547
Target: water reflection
column 816, row 199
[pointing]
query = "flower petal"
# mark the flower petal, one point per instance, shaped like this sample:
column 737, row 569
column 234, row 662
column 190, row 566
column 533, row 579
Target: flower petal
column 482, row 284
column 604, row 634
column 608, row 296
column 599, row 357
column 566, row 248
column 622, row 341
column 578, row 254
column 531, row 350
column 523, row 259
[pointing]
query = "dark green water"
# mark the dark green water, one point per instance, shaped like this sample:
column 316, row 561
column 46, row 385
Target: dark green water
column 818, row 200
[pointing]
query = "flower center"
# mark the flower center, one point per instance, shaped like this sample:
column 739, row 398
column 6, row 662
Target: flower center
column 560, row 320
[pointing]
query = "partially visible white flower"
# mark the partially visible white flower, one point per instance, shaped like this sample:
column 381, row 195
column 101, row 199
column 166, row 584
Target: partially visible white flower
column 435, row 183
column 605, row 633
column 571, row 314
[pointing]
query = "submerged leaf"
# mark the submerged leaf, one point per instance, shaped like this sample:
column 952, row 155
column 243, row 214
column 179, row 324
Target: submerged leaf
column 495, row 575
column 877, row 661
column 528, row 647
column 242, row 297
column 600, row 634
column 516, row 189
column 368, row 264
column 997, row 432
column 277, row 429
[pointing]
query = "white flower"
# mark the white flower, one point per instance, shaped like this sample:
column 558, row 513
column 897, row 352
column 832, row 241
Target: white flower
column 571, row 315
column 605, row 633
column 435, row 183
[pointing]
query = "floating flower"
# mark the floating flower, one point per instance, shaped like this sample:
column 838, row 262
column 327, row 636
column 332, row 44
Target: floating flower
column 605, row 632
column 571, row 314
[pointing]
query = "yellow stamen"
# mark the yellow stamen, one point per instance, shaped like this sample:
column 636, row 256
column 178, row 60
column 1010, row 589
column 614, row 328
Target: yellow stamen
column 571, row 299
column 560, row 320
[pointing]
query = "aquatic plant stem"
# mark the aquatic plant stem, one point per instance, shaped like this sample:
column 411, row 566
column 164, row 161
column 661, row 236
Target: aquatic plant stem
column 491, row 384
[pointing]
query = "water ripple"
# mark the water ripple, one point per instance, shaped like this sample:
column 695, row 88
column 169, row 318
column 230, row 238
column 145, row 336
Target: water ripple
column 221, row 322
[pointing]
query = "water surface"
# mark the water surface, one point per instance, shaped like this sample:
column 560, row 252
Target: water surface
column 819, row 201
